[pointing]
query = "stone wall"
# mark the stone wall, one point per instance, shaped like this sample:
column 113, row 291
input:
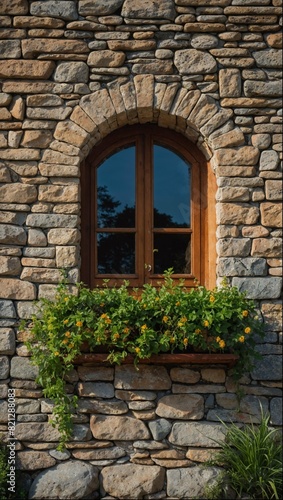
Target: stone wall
column 72, row 71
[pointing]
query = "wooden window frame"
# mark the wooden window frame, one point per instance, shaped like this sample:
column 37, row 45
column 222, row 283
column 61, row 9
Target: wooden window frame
column 203, row 188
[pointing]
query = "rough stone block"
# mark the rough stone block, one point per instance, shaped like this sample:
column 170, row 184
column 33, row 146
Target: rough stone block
column 132, row 480
column 259, row 288
column 118, row 428
column 147, row 377
column 192, row 482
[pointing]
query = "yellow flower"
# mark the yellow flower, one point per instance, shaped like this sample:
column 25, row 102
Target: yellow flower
column 126, row 330
column 79, row 323
column 245, row 313
column 222, row 344
column 71, row 345
column 137, row 349
column 66, row 299
column 172, row 340
column 218, row 339
column 247, row 330
column 185, row 341
column 56, row 353
column 157, row 298
column 241, row 339
column 197, row 330
column 68, row 334
column 65, row 341
column 143, row 328
column 177, row 303
column 183, row 319
column 65, row 321
column 211, row 298
column 103, row 316
column 108, row 321
column 144, row 306
column 206, row 323
column 165, row 319
column 116, row 336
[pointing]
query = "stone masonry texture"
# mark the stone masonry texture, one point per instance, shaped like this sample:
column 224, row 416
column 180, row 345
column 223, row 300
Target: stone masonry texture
column 71, row 72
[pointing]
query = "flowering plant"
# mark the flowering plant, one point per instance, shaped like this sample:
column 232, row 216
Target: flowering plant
column 138, row 322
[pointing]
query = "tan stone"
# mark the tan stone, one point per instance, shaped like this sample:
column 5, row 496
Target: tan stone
column 83, row 120
column 66, row 256
column 248, row 102
column 66, row 237
column 106, row 58
column 254, row 231
column 229, row 139
column 236, row 213
column 58, row 158
column 271, row 213
column 267, row 247
column 229, row 82
column 20, row 154
column 27, row 86
column 55, row 193
column 32, row 460
column 233, row 194
column 26, row 69
column 14, row 7
column 41, row 275
column 5, row 113
column 272, row 313
column 36, row 138
column 72, row 133
column 99, row 107
column 246, row 155
column 17, row 193
column 118, row 428
column 49, row 113
column 12, row 288
column 44, row 100
column 274, row 190
column 200, row 455
column 216, row 376
column 144, row 85
column 37, row 22
column 32, row 48
column 131, row 45
column 48, row 169
column 178, row 407
column 184, row 375
column 147, row 377
column 154, row 67
column 10, row 266
column 275, row 40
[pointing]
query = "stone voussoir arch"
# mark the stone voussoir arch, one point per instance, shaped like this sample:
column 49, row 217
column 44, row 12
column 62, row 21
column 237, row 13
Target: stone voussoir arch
column 143, row 100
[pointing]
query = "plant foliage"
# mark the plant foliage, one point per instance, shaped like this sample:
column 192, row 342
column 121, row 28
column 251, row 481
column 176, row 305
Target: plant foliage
column 252, row 458
column 140, row 322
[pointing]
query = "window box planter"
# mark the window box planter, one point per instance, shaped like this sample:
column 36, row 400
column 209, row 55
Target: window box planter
column 164, row 359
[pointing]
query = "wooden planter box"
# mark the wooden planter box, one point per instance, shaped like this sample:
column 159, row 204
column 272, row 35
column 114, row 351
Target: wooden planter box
column 164, row 359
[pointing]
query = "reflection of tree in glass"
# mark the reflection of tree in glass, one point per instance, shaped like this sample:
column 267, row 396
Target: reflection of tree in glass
column 116, row 251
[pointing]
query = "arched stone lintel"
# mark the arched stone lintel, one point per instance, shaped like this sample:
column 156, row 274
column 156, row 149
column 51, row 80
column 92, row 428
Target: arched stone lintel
column 143, row 100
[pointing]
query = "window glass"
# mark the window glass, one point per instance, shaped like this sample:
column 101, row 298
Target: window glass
column 116, row 253
column 116, row 190
column 171, row 189
column 172, row 250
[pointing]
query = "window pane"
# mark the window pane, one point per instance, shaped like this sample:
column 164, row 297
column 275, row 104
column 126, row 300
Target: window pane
column 116, row 190
column 172, row 250
column 116, row 253
column 171, row 189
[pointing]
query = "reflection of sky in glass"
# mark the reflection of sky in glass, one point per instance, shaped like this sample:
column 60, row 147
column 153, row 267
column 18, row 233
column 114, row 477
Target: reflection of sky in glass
column 117, row 174
column 171, row 185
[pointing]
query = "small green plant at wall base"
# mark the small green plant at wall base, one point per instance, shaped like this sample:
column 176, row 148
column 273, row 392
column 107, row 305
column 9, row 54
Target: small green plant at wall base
column 142, row 322
column 252, row 459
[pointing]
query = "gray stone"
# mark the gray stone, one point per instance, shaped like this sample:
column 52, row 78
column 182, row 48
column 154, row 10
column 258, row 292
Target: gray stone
column 73, row 479
column 233, row 247
column 268, row 368
column 276, row 411
column 191, row 482
column 259, row 89
column 259, row 288
column 160, row 428
column 203, row 42
column 32, row 460
column 99, row 7
column 7, row 341
column 4, row 367
column 270, row 58
column 203, row 434
column 7, row 309
column 44, row 432
column 96, row 389
column 60, row 455
column 71, row 72
column 146, row 377
column 269, row 160
column 108, row 407
column 52, row 220
column 23, row 369
column 181, row 407
column 63, row 9
column 24, row 406
column 149, row 9
column 3, row 411
column 193, row 61
column 118, row 428
column 237, row 266
column 13, row 235
column 132, row 480
column 10, row 49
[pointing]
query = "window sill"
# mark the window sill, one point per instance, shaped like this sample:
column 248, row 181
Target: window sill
column 163, row 359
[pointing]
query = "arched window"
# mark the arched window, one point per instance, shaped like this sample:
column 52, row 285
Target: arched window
column 146, row 208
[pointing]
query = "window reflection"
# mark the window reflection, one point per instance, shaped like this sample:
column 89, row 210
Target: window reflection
column 172, row 250
column 116, row 190
column 171, row 189
column 116, row 253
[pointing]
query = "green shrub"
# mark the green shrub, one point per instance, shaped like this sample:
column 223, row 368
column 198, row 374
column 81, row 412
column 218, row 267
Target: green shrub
column 141, row 323
column 252, row 458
